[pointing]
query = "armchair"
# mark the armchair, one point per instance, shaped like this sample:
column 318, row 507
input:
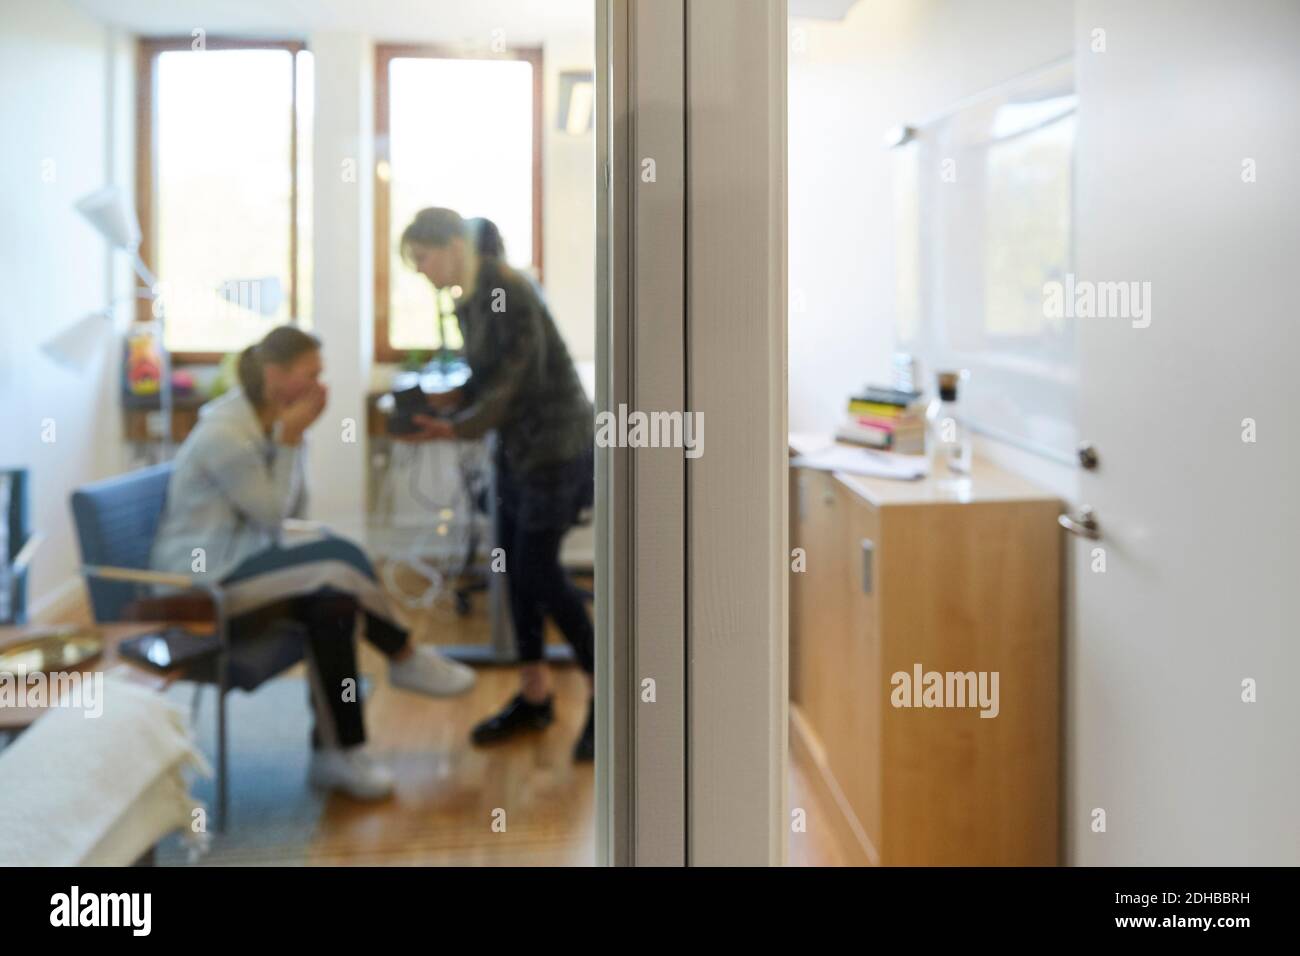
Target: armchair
column 116, row 521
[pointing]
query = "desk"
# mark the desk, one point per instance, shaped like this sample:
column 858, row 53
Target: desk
column 142, row 421
column 501, row 649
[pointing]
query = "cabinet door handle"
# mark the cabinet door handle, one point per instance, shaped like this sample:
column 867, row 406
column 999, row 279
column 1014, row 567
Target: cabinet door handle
column 868, row 560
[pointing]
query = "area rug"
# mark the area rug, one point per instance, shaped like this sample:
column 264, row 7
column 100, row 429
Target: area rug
column 273, row 812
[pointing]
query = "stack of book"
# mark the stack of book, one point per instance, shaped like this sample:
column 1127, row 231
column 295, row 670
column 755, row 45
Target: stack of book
column 886, row 418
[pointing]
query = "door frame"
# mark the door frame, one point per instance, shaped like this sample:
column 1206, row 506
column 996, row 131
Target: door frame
column 691, row 317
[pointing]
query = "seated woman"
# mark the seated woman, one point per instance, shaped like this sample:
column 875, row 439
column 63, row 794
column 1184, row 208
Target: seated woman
column 237, row 477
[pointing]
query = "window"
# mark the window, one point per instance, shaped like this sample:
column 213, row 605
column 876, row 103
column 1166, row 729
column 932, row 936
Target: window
column 456, row 131
column 224, row 192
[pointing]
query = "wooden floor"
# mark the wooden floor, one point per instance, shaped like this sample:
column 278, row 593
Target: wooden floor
column 537, row 777
column 522, row 803
column 448, row 790
column 817, row 844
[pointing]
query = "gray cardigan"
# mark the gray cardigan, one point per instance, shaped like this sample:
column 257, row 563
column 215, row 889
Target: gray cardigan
column 230, row 490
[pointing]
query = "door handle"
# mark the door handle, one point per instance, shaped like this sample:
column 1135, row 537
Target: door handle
column 868, row 562
column 1084, row 524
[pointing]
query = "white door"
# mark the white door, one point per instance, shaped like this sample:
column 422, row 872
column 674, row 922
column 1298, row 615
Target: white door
column 1189, row 135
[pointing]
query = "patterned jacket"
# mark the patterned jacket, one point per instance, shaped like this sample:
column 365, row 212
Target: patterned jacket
column 522, row 380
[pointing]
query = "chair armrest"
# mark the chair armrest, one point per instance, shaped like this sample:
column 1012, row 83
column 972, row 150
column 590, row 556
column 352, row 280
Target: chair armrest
column 193, row 606
column 167, row 579
column 138, row 576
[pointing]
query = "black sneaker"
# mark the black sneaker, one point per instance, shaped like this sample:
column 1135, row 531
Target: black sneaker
column 516, row 717
column 585, row 749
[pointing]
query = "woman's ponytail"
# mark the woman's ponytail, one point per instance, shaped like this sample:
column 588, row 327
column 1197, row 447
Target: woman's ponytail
column 281, row 346
column 250, row 375
column 487, row 238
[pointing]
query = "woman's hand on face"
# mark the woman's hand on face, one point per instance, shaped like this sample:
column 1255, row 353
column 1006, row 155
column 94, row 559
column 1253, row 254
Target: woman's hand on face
column 298, row 415
column 430, row 429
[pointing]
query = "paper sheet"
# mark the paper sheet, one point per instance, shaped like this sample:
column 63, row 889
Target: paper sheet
column 864, row 461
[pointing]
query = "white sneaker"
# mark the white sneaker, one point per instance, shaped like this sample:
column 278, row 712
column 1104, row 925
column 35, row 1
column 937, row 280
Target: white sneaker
column 351, row 771
column 428, row 672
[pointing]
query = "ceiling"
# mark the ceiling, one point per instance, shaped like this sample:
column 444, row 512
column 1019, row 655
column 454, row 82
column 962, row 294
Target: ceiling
column 820, row 9
column 469, row 22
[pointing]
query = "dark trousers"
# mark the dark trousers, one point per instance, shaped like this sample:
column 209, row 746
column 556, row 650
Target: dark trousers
column 329, row 619
column 534, row 512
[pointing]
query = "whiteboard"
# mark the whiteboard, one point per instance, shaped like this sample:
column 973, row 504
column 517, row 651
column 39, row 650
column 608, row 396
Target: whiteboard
column 984, row 199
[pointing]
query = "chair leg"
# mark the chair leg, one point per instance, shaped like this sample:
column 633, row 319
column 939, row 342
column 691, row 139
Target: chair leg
column 222, row 781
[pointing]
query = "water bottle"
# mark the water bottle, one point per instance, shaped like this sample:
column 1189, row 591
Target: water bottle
column 949, row 438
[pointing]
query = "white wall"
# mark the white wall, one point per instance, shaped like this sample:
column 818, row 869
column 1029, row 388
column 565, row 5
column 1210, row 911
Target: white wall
column 53, row 267
column 569, row 205
column 343, row 273
column 887, row 63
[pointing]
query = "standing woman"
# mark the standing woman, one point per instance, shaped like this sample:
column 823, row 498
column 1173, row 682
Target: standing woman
column 522, row 384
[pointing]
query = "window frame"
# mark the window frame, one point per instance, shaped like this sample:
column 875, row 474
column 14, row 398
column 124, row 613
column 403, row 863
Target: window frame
column 148, row 50
column 385, row 53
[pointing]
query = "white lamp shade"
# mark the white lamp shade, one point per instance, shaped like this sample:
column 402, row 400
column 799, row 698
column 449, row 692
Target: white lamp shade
column 77, row 346
column 582, row 103
column 577, row 102
column 108, row 211
column 262, row 295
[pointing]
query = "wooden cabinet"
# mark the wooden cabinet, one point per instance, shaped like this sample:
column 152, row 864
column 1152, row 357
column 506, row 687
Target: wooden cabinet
column 959, row 581
column 143, row 425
